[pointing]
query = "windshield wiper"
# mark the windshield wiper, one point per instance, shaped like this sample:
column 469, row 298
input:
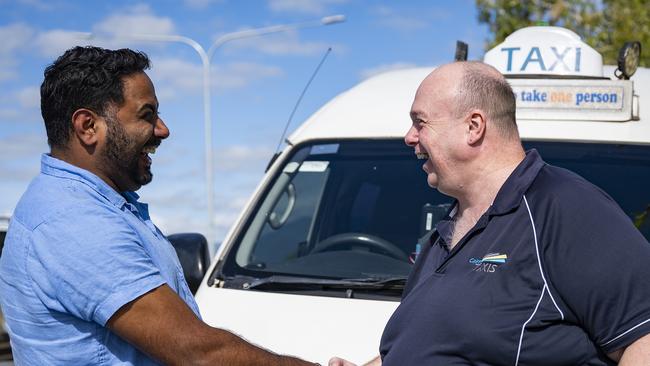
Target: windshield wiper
column 293, row 283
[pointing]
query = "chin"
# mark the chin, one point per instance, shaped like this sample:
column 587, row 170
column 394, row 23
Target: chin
column 139, row 180
column 432, row 180
column 145, row 179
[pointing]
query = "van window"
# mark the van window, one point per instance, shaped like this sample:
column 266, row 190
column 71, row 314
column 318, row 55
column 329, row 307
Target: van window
column 355, row 209
column 623, row 171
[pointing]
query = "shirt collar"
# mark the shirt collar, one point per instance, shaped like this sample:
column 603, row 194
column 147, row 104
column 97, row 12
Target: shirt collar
column 59, row 168
column 507, row 199
column 509, row 196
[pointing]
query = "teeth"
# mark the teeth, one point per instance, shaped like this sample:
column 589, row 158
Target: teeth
column 149, row 150
column 422, row 156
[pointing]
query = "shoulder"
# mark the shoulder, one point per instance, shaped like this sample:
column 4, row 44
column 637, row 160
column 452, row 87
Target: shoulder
column 80, row 236
column 562, row 202
column 563, row 189
column 64, row 202
column 57, row 215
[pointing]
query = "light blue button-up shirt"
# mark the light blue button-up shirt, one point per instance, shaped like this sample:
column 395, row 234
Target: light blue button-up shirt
column 75, row 253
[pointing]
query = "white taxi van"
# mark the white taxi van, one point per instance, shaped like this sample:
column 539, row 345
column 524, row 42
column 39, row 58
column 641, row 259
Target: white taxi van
column 316, row 262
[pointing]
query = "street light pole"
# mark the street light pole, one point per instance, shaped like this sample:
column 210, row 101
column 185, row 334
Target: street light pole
column 207, row 113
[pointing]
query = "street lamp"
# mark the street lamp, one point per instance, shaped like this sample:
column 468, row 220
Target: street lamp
column 205, row 60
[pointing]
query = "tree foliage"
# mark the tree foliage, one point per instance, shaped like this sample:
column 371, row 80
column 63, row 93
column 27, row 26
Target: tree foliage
column 605, row 25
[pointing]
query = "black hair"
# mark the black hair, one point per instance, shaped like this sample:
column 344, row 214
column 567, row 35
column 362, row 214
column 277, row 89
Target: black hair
column 85, row 77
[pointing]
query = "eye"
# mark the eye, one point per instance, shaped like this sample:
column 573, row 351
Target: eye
column 150, row 116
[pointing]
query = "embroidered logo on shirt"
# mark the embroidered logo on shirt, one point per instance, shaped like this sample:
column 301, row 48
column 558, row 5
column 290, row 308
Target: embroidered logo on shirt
column 489, row 263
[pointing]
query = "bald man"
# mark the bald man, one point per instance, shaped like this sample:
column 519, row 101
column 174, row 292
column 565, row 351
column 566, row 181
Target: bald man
column 515, row 274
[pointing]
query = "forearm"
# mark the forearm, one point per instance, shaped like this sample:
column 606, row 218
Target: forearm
column 162, row 326
column 225, row 348
column 374, row 362
column 337, row 361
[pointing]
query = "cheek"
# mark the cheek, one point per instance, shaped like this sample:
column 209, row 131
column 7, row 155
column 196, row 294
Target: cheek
column 137, row 139
column 428, row 139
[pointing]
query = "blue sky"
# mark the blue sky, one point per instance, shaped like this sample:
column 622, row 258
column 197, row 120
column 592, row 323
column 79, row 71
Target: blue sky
column 255, row 81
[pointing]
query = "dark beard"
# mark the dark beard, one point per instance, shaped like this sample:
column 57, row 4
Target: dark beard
column 122, row 154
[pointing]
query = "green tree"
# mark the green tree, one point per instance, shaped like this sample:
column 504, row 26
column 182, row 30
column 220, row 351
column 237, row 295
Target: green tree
column 604, row 25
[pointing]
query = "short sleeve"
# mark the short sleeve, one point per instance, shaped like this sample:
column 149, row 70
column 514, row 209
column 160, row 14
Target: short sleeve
column 89, row 263
column 597, row 261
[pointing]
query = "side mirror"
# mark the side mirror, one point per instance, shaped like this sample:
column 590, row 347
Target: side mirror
column 192, row 251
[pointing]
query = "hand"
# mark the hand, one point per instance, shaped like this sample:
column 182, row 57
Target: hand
column 336, row 361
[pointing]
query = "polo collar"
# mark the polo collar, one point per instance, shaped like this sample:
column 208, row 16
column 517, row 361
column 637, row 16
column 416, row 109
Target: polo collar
column 59, row 168
column 509, row 196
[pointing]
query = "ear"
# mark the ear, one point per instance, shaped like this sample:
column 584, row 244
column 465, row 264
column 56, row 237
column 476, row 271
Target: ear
column 85, row 125
column 475, row 127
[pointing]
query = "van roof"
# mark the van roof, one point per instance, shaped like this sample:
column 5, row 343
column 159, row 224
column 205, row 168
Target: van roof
column 379, row 108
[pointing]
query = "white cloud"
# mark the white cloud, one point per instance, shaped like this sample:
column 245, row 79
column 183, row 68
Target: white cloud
column 38, row 4
column 20, row 106
column 9, row 114
column 367, row 73
column 14, row 38
column 173, row 75
column 410, row 20
column 200, row 4
column 21, row 155
column 177, row 208
column 7, row 68
column 313, row 7
column 286, row 43
column 22, row 145
column 176, row 216
column 238, row 157
column 404, row 24
column 133, row 20
column 20, row 173
column 240, row 74
column 400, row 22
column 54, row 42
column 111, row 32
column 29, row 97
column 177, row 73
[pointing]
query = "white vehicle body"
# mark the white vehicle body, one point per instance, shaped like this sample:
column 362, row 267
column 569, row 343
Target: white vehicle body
column 318, row 327
column 4, row 223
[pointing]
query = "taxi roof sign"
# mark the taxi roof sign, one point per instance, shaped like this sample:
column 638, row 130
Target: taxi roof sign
column 544, row 50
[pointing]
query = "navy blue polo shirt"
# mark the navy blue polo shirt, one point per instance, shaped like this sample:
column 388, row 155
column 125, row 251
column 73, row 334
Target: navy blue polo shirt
column 554, row 273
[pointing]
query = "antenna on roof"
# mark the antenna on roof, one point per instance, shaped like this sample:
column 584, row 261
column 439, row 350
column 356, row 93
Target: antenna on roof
column 461, row 51
column 295, row 107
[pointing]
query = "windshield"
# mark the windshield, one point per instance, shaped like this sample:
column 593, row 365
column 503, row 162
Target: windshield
column 356, row 209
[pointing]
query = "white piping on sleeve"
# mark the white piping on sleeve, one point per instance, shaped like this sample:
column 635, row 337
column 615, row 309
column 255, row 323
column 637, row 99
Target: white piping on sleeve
column 539, row 261
column 624, row 333
column 523, row 327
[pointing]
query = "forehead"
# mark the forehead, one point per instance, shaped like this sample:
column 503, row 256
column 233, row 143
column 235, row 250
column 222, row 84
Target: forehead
column 138, row 90
column 435, row 96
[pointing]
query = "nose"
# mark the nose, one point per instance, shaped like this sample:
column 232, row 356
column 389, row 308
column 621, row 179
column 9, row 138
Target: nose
column 411, row 138
column 160, row 129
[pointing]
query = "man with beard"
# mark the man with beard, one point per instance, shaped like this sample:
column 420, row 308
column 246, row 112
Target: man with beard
column 86, row 278
column 533, row 265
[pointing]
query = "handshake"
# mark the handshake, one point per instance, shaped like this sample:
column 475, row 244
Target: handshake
column 336, row 361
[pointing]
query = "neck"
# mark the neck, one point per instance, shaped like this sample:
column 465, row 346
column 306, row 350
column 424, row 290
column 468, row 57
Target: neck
column 478, row 196
column 83, row 161
column 489, row 175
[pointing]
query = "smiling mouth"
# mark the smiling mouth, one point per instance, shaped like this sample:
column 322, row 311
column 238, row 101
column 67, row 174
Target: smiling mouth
column 422, row 156
column 151, row 149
